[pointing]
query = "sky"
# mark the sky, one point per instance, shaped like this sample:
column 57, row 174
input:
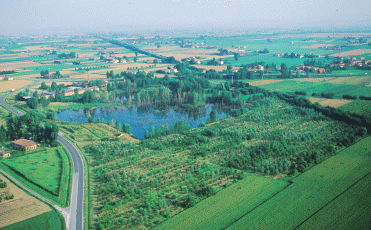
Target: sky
column 24, row 16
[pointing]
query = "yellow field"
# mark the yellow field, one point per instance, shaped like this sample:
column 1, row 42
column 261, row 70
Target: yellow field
column 334, row 102
column 356, row 80
column 315, row 99
column 352, row 52
column 35, row 48
column 8, row 85
column 314, row 46
column 320, row 79
column 15, row 65
column 20, row 208
column 265, row 82
column 91, row 76
column 127, row 138
column 329, row 102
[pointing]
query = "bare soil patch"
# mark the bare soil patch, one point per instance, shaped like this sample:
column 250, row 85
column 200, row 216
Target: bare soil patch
column 320, row 79
column 352, row 53
column 314, row 46
column 356, row 80
column 334, row 102
column 264, row 82
column 8, row 85
column 20, row 208
column 16, row 65
column 91, row 76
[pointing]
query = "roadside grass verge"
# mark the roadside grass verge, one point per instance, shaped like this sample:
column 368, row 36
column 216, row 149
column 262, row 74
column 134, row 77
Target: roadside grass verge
column 47, row 172
column 227, row 206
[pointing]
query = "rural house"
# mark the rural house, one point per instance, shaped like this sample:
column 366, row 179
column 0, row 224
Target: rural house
column 24, row 145
column 4, row 153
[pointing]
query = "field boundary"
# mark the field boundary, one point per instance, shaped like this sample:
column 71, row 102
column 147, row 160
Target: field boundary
column 333, row 199
column 60, row 217
column 290, row 183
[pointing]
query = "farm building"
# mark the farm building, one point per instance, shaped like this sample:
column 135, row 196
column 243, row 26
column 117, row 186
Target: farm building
column 4, row 153
column 9, row 78
column 1, row 78
column 24, row 145
column 171, row 70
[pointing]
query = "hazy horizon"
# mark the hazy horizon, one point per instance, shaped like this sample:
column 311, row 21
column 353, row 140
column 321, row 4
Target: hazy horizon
column 44, row 16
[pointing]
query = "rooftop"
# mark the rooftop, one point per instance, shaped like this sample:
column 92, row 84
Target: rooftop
column 24, row 142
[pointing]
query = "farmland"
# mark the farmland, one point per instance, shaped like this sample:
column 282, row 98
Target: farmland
column 312, row 190
column 266, row 164
column 158, row 181
column 335, row 103
column 47, row 171
column 227, row 205
column 47, row 220
column 21, row 207
column 361, row 107
column 318, row 87
column 8, row 85
column 351, row 210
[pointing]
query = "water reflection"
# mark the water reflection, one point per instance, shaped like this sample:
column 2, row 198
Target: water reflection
column 142, row 118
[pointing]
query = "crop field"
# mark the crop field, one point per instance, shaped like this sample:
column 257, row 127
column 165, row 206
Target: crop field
column 15, row 84
column 91, row 76
column 21, row 207
column 335, row 103
column 143, row 184
column 227, row 205
column 267, row 59
column 351, row 210
column 352, row 53
column 47, row 220
column 354, row 80
column 318, row 87
column 358, row 106
column 317, row 46
column 312, row 190
column 47, row 171
column 264, row 82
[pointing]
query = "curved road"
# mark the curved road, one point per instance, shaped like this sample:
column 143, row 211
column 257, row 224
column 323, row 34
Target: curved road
column 74, row 214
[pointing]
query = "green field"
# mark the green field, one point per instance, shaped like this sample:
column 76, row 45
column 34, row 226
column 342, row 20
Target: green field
column 351, row 210
column 45, row 221
column 311, row 190
column 47, row 171
column 358, row 106
column 318, row 87
column 268, row 59
column 226, row 206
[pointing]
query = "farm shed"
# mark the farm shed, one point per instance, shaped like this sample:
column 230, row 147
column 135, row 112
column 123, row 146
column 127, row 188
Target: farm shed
column 4, row 153
column 24, row 145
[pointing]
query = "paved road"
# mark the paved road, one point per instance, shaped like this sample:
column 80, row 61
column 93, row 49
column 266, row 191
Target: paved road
column 74, row 214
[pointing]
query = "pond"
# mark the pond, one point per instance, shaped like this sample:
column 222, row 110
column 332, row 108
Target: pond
column 141, row 119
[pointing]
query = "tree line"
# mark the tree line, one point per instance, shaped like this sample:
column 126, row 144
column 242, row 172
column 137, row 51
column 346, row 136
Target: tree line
column 31, row 125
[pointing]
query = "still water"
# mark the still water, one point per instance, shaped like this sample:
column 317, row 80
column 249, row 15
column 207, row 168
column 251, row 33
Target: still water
column 141, row 119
